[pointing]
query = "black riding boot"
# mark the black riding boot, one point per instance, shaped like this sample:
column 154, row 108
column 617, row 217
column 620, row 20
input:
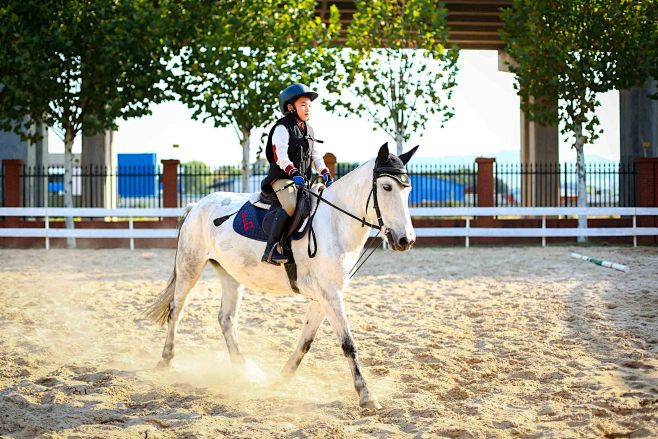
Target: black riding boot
column 279, row 223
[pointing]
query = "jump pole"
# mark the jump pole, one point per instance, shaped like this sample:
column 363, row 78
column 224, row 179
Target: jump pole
column 600, row 262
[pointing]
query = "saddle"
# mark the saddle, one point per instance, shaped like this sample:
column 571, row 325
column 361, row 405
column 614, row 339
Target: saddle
column 254, row 219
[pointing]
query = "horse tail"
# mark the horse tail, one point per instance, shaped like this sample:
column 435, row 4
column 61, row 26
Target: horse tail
column 158, row 312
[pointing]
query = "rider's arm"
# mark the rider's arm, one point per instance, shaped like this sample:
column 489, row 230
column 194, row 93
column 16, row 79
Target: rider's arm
column 280, row 139
column 317, row 160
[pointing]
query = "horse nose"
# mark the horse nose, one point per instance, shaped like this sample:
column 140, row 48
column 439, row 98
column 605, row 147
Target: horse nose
column 404, row 243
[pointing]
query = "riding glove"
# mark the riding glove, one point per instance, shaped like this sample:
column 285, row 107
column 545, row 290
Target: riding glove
column 328, row 181
column 297, row 178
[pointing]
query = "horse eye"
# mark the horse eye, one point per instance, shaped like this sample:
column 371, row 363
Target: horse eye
column 387, row 187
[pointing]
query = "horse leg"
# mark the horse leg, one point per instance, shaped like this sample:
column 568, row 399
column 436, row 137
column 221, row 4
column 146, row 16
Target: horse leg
column 334, row 309
column 312, row 321
column 187, row 271
column 228, row 315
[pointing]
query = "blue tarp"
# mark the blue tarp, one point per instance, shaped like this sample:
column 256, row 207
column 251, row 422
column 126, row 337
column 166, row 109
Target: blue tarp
column 429, row 188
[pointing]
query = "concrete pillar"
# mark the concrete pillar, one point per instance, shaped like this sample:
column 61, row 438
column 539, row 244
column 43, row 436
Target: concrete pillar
column 646, row 193
column 170, row 183
column 540, row 185
column 98, row 164
column 638, row 131
column 12, row 188
column 330, row 161
column 539, row 152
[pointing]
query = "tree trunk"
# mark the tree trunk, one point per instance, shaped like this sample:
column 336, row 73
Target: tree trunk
column 582, row 182
column 244, row 141
column 68, row 181
column 398, row 141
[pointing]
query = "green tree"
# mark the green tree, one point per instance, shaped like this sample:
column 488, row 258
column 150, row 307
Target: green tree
column 570, row 52
column 253, row 50
column 396, row 66
column 82, row 65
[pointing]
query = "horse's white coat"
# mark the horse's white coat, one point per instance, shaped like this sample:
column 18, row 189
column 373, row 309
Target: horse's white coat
column 322, row 279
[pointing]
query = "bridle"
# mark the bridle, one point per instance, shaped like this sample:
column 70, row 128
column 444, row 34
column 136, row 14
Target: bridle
column 399, row 174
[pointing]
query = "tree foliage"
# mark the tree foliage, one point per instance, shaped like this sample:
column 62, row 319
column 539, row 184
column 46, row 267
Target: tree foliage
column 570, row 52
column 396, row 66
column 76, row 65
column 252, row 51
column 73, row 64
column 574, row 51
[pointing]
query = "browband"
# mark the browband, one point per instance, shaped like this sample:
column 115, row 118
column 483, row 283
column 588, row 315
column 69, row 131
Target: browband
column 398, row 174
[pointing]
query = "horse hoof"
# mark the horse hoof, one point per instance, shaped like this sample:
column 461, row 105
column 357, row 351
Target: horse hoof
column 370, row 405
column 163, row 364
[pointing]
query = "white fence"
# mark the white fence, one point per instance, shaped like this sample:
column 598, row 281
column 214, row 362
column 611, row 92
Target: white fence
column 467, row 213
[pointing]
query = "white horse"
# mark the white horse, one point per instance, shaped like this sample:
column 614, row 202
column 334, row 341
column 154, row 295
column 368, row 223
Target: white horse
column 377, row 192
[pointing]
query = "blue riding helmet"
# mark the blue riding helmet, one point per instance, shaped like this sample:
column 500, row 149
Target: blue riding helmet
column 292, row 92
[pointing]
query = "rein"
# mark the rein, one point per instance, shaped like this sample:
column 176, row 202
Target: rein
column 361, row 220
column 373, row 245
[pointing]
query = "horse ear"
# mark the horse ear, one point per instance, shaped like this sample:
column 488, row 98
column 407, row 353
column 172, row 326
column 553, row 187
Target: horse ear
column 382, row 155
column 405, row 157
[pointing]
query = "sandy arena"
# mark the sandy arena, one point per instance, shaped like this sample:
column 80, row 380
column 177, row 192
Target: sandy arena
column 461, row 343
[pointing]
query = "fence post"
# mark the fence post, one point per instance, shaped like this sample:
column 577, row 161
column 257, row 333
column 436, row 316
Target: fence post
column 11, row 188
column 330, row 161
column 646, row 192
column 170, row 188
column 485, row 182
column 170, row 183
column 485, row 190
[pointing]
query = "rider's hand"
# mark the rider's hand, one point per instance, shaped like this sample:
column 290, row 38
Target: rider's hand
column 297, row 178
column 328, row 181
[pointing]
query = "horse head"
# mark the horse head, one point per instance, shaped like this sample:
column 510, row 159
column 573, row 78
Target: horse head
column 391, row 188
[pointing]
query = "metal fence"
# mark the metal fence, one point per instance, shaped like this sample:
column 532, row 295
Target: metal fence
column 555, row 184
column 93, row 186
column 195, row 182
column 434, row 184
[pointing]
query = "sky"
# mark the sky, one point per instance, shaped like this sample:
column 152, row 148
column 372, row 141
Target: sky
column 486, row 121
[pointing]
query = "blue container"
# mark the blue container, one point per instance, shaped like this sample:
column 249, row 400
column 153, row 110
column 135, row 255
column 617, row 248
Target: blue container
column 137, row 175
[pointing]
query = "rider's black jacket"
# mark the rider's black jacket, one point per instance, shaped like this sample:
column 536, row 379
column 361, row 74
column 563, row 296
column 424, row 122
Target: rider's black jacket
column 300, row 146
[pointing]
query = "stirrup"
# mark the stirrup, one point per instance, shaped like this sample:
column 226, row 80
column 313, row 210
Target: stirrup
column 271, row 258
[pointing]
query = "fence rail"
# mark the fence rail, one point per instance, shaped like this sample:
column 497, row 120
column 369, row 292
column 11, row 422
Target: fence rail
column 434, row 184
column 467, row 232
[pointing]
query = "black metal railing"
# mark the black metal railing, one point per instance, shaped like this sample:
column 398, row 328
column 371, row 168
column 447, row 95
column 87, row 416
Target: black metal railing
column 556, row 184
column 2, row 185
column 93, row 186
column 434, row 184
column 195, row 182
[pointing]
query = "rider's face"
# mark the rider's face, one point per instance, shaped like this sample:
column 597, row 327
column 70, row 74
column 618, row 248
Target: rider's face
column 303, row 107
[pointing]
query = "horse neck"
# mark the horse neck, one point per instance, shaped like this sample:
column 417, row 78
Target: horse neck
column 350, row 193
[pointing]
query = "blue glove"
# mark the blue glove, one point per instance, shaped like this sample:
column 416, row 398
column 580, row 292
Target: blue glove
column 298, row 179
column 328, row 181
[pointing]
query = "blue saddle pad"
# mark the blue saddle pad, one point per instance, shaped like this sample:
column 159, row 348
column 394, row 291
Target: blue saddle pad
column 248, row 222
